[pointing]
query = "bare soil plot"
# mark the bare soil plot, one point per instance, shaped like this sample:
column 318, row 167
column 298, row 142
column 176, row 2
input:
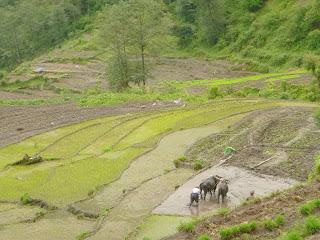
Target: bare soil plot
column 20, row 122
column 287, row 137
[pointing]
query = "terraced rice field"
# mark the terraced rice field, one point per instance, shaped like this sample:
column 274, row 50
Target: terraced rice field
column 119, row 167
column 269, row 77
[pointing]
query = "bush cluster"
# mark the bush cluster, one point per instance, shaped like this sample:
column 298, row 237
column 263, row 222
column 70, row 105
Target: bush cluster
column 233, row 231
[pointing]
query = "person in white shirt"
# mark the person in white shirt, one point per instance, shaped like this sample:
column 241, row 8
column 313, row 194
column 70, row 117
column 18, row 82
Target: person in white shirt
column 194, row 197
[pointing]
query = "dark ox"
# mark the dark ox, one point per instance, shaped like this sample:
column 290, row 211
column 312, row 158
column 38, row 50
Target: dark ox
column 222, row 189
column 209, row 185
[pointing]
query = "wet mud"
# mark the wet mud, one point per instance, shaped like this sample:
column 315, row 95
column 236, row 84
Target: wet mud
column 242, row 182
column 148, row 181
column 148, row 166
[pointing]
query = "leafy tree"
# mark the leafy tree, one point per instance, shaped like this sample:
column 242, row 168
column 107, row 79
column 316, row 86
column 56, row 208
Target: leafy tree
column 211, row 20
column 132, row 30
column 185, row 34
column 116, row 35
column 29, row 27
column 253, row 5
column 147, row 26
column 312, row 63
column 186, row 10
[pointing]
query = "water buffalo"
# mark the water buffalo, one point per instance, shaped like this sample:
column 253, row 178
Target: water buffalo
column 222, row 189
column 209, row 185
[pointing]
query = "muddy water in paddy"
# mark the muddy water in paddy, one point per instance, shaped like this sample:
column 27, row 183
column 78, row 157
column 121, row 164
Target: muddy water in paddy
column 241, row 183
column 148, row 181
column 152, row 164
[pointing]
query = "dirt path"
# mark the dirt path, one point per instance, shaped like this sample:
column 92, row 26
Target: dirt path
column 241, row 183
column 20, row 122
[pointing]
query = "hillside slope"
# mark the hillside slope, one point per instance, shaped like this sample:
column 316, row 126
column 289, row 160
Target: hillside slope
column 267, row 34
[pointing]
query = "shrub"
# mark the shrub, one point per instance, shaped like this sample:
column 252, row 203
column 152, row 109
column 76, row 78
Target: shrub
column 26, row 199
column 198, row 165
column 204, row 237
column 248, row 227
column 293, row 235
column 279, row 220
column 269, row 224
column 306, row 209
column 253, row 5
column 1, row 75
column 182, row 158
column 186, row 227
column 313, row 39
column 214, row 93
column 230, row 232
column 316, row 203
column 177, row 161
column 228, row 150
column 312, row 225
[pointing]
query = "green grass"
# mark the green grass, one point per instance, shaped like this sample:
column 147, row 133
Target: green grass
column 25, row 199
column 204, row 237
column 187, row 226
column 312, row 225
column 292, row 235
column 177, row 161
column 219, row 82
column 309, row 207
column 233, row 231
column 271, row 224
column 198, row 165
column 38, row 82
column 157, row 227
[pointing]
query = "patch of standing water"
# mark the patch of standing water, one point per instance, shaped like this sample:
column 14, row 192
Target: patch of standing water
column 242, row 182
column 152, row 165
column 148, row 181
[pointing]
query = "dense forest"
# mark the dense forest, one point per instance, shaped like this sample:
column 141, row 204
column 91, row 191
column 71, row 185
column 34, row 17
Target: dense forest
column 31, row 26
column 263, row 33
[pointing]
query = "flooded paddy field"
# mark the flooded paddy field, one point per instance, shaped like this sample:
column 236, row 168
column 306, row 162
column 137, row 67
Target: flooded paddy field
column 241, row 183
column 120, row 170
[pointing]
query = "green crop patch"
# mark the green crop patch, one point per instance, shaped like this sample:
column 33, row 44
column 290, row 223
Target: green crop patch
column 229, row 81
column 94, row 153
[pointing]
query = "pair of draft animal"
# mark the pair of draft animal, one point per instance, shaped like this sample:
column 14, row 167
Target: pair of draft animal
column 212, row 183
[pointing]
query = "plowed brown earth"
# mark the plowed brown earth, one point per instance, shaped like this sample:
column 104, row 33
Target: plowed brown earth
column 20, row 122
column 280, row 142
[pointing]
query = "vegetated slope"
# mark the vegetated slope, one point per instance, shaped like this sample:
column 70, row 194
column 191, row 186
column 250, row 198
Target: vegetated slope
column 278, row 33
column 268, row 34
column 30, row 27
